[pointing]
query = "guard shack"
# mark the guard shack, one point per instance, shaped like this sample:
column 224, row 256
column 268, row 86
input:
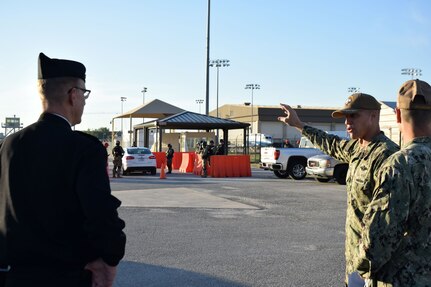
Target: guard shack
column 188, row 121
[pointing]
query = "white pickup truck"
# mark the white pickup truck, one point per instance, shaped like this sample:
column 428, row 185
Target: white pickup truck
column 285, row 162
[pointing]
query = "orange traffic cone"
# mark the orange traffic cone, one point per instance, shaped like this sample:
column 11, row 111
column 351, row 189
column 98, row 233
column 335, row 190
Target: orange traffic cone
column 162, row 171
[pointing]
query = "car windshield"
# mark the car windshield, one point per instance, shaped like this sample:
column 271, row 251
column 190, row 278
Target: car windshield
column 138, row 151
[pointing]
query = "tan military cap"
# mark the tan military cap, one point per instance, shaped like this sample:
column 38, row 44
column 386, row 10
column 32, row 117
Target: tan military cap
column 415, row 95
column 355, row 103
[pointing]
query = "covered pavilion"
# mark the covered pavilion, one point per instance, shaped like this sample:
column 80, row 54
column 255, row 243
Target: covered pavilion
column 171, row 117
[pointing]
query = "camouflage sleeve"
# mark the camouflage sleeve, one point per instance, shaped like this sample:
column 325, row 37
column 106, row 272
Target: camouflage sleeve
column 385, row 219
column 329, row 144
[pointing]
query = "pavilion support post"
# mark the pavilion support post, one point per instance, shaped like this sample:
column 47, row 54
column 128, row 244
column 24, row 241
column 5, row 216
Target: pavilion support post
column 225, row 138
column 146, row 135
column 246, row 146
column 160, row 138
column 130, row 131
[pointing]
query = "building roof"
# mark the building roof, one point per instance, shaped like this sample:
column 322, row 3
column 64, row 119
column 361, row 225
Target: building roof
column 153, row 109
column 191, row 120
column 315, row 115
column 390, row 104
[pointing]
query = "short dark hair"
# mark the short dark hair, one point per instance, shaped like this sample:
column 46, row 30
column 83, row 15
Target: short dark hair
column 419, row 118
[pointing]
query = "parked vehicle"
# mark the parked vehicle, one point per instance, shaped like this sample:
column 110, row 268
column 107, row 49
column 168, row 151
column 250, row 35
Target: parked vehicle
column 285, row 162
column 324, row 168
column 260, row 140
column 138, row 159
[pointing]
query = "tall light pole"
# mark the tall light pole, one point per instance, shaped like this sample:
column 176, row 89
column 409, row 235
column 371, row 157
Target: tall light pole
column 207, row 66
column 353, row 90
column 252, row 87
column 218, row 63
column 199, row 102
column 123, row 99
column 144, row 90
column 412, row 72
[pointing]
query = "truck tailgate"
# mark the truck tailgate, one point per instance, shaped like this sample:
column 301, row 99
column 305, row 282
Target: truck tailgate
column 267, row 154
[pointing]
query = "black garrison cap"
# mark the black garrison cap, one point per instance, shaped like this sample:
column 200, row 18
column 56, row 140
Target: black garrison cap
column 56, row 68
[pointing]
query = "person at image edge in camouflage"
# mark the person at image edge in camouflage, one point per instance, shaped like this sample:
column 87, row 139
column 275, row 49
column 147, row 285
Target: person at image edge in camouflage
column 396, row 239
column 365, row 152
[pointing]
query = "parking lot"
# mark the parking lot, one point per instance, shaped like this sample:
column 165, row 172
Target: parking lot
column 251, row 231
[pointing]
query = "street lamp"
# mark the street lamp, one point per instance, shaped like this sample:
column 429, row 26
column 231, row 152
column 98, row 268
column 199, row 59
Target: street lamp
column 412, row 72
column 123, row 99
column 353, row 90
column 199, row 102
column 252, row 87
column 144, row 90
column 218, row 63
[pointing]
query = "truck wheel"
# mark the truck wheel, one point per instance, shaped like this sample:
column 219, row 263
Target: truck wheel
column 297, row 169
column 322, row 179
column 340, row 174
column 281, row 173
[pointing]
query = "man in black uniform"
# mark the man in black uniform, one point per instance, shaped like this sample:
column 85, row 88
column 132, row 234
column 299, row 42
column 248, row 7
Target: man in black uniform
column 117, row 153
column 59, row 224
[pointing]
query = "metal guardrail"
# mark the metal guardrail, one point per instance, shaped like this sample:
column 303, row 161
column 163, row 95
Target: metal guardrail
column 253, row 151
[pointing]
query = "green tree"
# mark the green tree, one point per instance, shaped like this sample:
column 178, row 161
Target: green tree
column 103, row 134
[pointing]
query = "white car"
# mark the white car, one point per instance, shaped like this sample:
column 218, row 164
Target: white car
column 324, row 168
column 138, row 159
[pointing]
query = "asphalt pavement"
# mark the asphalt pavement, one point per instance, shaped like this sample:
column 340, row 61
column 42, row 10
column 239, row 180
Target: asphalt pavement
column 250, row 231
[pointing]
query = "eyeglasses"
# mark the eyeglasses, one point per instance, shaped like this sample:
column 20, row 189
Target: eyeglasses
column 86, row 92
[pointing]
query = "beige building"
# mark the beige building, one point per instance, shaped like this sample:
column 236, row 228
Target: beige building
column 263, row 120
column 388, row 122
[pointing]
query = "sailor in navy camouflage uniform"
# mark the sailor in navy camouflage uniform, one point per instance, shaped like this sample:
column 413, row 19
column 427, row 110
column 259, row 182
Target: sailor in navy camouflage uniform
column 395, row 249
column 365, row 152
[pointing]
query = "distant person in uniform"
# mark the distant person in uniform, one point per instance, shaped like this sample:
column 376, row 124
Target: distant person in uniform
column 59, row 224
column 117, row 153
column 169, row 156
column 365, row 152
column 206, row 157
column 395, row 249
column 220, row 150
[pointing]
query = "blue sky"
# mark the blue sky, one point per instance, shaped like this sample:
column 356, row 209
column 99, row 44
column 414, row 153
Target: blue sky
column 299, row 52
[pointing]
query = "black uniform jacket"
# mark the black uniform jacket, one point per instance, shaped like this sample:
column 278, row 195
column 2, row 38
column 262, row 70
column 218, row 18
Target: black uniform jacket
column 56, row 207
